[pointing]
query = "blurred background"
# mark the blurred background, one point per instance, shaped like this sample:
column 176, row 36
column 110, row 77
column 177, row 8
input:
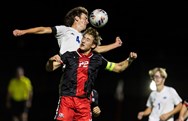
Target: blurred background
column 157, row 31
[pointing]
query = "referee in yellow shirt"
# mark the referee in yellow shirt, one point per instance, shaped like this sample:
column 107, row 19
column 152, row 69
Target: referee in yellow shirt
column 19, row 97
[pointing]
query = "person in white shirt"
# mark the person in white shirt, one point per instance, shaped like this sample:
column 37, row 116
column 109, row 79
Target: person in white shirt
column 163, row 102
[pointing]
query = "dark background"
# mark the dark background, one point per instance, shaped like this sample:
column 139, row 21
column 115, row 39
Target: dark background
column 156, row 30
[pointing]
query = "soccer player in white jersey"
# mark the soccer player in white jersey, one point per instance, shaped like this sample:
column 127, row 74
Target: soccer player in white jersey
column 163, row 102
column 69, row 35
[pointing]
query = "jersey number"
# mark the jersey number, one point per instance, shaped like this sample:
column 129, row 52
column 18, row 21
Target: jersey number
column 84, row 64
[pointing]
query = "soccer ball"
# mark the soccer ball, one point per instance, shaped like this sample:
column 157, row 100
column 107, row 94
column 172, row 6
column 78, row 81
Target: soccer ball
column 98, row 18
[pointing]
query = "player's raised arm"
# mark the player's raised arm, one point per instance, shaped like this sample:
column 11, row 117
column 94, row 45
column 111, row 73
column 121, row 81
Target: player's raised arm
column 35, row 30
column 121, row 66
column 105, row 48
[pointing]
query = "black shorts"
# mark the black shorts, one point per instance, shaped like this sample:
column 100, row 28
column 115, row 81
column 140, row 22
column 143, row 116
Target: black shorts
column 18, row 108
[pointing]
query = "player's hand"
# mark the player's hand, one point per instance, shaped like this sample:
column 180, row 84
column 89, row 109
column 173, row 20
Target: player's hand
column 164, row 117
column 18, row 32
column 118, row 42
column 140, row 115
column 56, row 58
column 96, row 111
column 132, row 55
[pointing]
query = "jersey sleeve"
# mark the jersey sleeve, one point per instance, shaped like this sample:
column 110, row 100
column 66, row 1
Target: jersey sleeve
column 28, row 84
column 64, row 57
column 54, row 30
column 176, row 98
column 104, row 63
column 59, row 30
column 149, row 100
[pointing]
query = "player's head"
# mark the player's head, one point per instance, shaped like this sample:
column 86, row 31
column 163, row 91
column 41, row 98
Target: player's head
column 158, row 74
column 91, row 39
column 162, row 72
column 19, row 72
column 74, row 14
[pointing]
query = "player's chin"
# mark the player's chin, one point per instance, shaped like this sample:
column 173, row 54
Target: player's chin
column 84, row 27
column 82, row 47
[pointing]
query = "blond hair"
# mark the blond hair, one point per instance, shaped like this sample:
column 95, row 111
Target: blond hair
column 162, row 71
column 93, row 32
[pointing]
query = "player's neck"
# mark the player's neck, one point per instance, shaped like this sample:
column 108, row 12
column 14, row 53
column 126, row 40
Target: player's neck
column 85, row 52
column 160, row 87
column 76, row 27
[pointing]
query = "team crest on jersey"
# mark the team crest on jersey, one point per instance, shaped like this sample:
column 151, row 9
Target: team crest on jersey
column 164, row 97
column 61, row 115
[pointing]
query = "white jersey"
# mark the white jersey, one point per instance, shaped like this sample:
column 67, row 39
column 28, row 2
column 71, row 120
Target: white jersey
column 68, row 38
column 162, row 102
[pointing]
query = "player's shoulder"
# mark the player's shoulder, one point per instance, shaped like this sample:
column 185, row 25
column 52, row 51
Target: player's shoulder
column 170, row 88
column 97, row 56
column 153, row 93
column 12, row 80
column 61, row 27
column 71, row 53
column 26, row 79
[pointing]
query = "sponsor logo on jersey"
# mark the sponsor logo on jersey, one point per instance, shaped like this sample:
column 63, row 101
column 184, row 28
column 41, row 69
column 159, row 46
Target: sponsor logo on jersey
column 61, row 115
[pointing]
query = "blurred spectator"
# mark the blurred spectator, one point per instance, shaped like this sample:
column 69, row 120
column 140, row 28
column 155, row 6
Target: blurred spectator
column 19, row 96
column 119, row 96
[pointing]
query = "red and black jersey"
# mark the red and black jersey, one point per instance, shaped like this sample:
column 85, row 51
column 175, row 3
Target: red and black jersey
column 80, row 73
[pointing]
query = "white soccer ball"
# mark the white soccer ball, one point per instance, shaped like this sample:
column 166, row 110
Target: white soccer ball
column 98, row 18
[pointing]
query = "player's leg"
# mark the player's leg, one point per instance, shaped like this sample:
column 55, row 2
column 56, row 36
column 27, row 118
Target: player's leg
column 83, row 109
column 65, row 111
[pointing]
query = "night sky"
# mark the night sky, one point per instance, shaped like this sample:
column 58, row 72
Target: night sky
column 157, row 31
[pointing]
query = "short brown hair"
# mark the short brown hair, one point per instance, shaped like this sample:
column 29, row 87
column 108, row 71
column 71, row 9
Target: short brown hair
column 70, row 16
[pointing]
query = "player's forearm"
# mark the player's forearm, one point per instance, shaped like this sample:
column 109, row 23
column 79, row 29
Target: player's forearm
column 182, row 111
column 121, row 66
column 105, row 48
column 186, row 115
column 147, row 112
column 52, row 65
column 176, row 109
column 30, row 97
column 38, row 30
